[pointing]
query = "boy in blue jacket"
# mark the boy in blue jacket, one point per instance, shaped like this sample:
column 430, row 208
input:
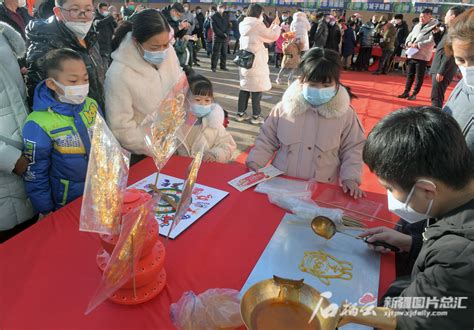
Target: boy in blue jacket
column 55, row 135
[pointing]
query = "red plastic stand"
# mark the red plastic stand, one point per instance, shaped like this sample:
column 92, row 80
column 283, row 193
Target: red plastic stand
column 150, row 278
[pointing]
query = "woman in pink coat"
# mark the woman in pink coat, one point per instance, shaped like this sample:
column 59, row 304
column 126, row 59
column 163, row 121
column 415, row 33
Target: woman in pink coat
column 314, row 133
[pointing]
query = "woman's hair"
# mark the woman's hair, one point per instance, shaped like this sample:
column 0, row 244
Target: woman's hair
column 254, row 10
column 143, row 26
column 198, row 84
column 462, row 29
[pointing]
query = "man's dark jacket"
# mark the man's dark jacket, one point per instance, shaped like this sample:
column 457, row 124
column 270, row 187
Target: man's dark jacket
column 105, row 26
column 220, row 26
column 5, row 17
column 43, row 36
column 443, row 63
column 178, row 34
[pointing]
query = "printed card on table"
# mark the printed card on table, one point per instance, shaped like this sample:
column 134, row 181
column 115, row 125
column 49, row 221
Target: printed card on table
column 203, row 199
column 252, row 178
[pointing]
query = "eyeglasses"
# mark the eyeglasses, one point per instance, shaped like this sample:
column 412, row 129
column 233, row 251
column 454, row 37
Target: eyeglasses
column 75, row 13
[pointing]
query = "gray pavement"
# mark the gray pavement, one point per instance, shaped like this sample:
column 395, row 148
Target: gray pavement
column 226, row 93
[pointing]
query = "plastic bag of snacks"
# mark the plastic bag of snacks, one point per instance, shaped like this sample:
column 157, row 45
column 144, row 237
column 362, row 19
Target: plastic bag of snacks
column 211, row 310
column 123, row 262
column 168, row 126
column 106, row 181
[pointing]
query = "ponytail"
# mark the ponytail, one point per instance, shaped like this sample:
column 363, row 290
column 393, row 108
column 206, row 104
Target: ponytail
column 123, row 29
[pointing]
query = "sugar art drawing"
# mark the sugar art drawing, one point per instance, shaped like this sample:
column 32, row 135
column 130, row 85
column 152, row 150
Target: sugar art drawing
column 204, row 198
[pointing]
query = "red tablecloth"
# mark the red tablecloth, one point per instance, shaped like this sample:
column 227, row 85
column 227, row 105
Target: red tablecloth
column 48, row 273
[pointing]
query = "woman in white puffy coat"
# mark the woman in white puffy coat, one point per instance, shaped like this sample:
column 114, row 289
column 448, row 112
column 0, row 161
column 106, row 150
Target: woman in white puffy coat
column 15, row 207
column 254, row 81
column 301, row 26
column 144, row 69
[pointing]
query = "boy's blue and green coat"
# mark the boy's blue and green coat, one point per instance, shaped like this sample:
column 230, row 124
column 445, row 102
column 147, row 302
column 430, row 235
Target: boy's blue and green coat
column 56, row 139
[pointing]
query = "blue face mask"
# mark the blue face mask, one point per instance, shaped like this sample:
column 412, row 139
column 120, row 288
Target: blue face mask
column 155, row 58
column 317, row 96
column 201, row 110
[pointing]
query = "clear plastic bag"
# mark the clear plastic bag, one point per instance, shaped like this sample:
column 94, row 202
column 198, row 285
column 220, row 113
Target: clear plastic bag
column 106, row 181
column 167, row 127
column 123, row 263
column 186, row 195
column 306, row 208
column 288, row 187
column 212, row 309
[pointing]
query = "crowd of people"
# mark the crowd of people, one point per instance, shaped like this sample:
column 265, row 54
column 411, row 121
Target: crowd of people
column 83, row 60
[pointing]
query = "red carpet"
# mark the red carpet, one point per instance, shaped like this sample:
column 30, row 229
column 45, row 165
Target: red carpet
column 377, row 96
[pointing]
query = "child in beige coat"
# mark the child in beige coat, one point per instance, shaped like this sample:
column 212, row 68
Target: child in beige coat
column 291, row 57
column 209, row 131
column 314, row 133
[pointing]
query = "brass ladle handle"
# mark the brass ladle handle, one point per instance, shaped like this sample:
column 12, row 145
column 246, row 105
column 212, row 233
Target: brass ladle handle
column 296, row 284
column 384, row 318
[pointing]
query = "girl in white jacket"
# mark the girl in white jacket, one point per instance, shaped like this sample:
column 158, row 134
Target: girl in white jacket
column 209, row 131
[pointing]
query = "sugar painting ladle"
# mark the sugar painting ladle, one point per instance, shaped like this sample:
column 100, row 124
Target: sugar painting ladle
column 326, row 228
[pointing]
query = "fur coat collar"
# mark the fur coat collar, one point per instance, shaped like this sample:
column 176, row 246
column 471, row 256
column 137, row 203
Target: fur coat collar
column 129, row 55
column 15, row 40
column 215, row 119
column 295, row 104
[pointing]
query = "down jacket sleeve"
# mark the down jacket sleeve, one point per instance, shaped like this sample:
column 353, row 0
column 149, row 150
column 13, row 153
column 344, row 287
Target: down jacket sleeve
column 9, row 157
column 268, row 35
column 267, row 141
column 224, row 146
column 352, row 143
column 122, row 123
column 446, row 273
column 38, row 149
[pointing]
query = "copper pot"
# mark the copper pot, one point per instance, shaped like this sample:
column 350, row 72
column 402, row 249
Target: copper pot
column 297, row 292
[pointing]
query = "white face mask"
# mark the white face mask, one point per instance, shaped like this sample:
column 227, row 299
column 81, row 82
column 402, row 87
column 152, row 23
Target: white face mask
column 406, row 212
column 467, row 75
column 261, row 18
column 80, row 29
column 21, row 3
column 72, row 94
column 156, row 57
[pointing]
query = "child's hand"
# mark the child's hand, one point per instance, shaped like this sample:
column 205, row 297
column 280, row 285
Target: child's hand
column 253, row 166
column 21, row 165
column 388, row 235
column 352, row 187
column 208, row 157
